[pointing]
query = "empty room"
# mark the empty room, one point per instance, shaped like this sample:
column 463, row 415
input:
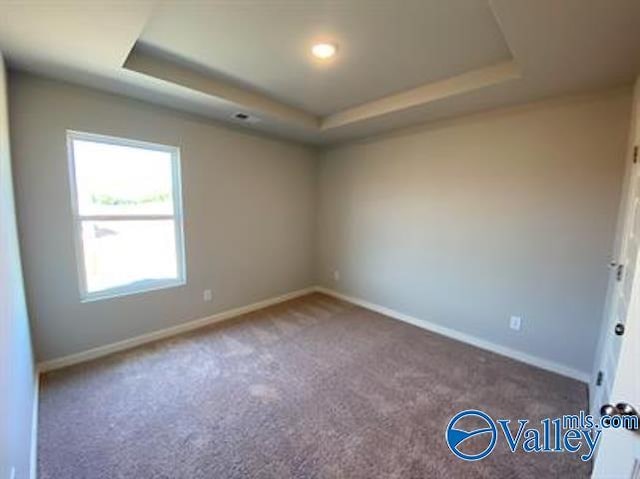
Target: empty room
column 300, row 239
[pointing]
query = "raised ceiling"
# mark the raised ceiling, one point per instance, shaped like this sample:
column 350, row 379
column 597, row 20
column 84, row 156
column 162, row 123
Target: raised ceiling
column 384, row 46
column 398, row 62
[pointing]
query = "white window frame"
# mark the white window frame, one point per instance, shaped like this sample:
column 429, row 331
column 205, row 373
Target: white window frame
column 177, row 217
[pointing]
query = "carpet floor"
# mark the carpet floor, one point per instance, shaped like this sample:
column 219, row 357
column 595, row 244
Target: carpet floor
column 311, row 388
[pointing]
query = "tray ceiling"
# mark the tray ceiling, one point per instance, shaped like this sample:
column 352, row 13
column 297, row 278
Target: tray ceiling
column 398, row 63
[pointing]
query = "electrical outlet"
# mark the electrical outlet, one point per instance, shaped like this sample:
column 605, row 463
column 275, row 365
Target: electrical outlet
column 515, row 323
column 336, row 275
column 206, row 295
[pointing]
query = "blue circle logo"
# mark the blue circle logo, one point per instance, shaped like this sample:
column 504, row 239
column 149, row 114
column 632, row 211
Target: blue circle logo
column 456, row 437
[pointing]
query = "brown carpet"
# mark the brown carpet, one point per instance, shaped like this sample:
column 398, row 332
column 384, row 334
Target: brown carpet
column 311, row 388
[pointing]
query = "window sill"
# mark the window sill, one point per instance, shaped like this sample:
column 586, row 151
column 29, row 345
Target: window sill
column 145, row 287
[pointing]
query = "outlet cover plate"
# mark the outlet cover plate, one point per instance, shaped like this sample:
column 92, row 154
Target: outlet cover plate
column 515, row 323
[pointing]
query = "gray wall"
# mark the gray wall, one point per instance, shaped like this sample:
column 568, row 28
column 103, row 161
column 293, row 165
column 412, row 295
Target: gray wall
column 462, row 223
column 249, row 208
column 470, row 221
column 16, row 358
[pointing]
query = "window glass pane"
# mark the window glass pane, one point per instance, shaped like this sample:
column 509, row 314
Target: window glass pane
column 122, row 180
column 128, row 253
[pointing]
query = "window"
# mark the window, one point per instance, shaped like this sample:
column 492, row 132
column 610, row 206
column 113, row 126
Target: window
column 127, row 209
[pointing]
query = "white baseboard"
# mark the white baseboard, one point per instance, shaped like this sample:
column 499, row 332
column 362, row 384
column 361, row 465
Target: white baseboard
column 465, row 338
column 33, row 461
column 218, row 317
column 165, row 333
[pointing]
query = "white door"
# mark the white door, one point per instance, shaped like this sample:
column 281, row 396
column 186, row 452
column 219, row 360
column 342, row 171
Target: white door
column 623, row 272
column 619, row 452
column 619, row 449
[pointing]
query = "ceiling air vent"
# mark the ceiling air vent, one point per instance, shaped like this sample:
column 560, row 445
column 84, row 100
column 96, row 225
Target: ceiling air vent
column 245, row 117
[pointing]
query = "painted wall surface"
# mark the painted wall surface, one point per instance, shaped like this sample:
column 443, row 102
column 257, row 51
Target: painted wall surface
column 463, row 223
column 16, row 357
column 468, row 222
column 249, row 207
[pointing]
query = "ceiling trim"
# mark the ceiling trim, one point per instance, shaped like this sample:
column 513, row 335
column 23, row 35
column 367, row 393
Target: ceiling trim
column 146, row 63
column 554, row 48
column 157, row 65
column 161, row 68
column 456, row 85
column 172, row 70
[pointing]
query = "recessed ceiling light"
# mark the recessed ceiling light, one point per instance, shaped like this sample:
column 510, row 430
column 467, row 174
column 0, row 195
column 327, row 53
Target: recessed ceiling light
column 324, row 51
